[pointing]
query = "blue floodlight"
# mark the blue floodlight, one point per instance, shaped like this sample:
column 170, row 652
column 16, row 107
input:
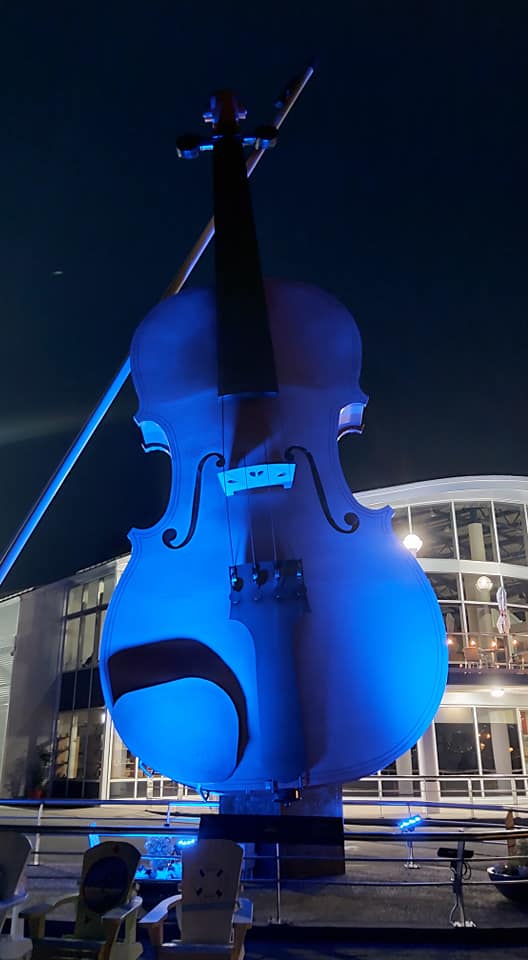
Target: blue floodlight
column 410, row 823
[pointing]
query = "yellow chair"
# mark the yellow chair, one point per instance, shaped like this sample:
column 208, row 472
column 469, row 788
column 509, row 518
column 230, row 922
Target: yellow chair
column 213, row 921
column 105, row 901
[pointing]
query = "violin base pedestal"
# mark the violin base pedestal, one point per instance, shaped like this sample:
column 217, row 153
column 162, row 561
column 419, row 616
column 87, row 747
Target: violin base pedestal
column 299, row 840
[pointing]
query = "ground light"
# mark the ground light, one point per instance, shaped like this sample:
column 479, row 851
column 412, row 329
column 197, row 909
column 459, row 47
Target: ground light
column 407, row 826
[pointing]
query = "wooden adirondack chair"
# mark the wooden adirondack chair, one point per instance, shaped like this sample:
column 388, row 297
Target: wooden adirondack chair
column 105, row 900
column 213, row 921
column 14, row 851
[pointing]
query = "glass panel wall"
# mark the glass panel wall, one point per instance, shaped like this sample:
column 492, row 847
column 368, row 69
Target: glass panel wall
column 80, row 722
column 434, row 525
column 512, row 533
column 129, row 780
column 476, row 536
column 400, row 522
column 481, row 745
column 79, row 753
column 456, row 741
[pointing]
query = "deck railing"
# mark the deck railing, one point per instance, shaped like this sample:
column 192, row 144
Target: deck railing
column 451, row 854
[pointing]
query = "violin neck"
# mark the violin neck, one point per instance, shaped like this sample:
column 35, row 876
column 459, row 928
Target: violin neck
column 246, row 366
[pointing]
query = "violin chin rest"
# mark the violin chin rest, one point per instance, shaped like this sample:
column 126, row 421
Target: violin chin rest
column 186, row 729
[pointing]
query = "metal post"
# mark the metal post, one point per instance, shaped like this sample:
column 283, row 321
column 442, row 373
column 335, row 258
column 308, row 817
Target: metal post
column 277, row 862
column 36, row 853
column 10, row 556
column 457, row 917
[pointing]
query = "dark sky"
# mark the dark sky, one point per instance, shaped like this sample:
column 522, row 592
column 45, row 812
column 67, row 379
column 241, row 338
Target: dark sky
column 399, row 185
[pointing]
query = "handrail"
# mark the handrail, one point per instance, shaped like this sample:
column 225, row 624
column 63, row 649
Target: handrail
column 377, row 865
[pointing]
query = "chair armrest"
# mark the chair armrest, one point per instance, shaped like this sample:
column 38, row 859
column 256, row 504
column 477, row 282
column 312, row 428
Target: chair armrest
column 112, row 920
column 14, row 900
column 36, row 914
column 120, row 913
column 42, row 909
column 159, row 913
column 244, row 912
column 154, row 919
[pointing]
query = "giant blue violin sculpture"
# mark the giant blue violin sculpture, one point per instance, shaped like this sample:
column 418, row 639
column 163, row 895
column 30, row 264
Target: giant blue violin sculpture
column 268, row 630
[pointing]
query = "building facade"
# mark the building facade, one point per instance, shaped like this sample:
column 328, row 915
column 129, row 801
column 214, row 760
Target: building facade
column 57, row 738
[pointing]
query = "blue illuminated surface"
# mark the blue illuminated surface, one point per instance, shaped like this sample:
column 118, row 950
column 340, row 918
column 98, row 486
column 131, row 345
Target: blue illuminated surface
column 326, row 694
column 155, row 867
column 410, row 823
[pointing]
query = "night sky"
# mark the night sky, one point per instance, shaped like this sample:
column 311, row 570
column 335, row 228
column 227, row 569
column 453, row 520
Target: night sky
column 399, row 185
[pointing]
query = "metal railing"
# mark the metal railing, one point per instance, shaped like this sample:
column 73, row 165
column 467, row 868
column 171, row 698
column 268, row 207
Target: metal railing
column 472, row 649
column 374, row 860
column 473, row 787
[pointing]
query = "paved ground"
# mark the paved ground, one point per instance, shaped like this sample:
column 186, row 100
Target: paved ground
column 359, row 951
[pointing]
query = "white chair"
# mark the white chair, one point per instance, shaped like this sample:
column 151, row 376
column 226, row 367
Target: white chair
column 213, row 921
column 14, row 851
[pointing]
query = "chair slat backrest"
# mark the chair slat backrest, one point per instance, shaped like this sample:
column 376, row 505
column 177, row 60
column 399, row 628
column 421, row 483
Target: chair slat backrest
column 107, row 877
column 14, row 851
column 210, row 882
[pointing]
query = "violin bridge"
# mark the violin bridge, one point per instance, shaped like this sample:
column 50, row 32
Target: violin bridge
column 255, row 476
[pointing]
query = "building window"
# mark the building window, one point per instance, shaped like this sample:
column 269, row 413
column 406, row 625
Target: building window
column 400, row 522
column 456, row 745
column 85, row 612
column 512, row 533
column 123, row 763
column 500, row 751
column 79, row 753
column 434, row 525
column 476, row 537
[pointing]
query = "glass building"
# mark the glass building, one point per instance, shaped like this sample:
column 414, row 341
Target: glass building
column 57, row 739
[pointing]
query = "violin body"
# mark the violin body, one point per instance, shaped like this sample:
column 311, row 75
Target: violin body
column 268, row 629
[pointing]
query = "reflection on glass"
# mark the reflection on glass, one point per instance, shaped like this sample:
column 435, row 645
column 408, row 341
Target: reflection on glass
column 433, row 524
column 457, row 752
column 90, row 594
column 400, row 522
column 524, row 734
column 79, row 745
column 516, row 591
column 123, row 763
column 481, row 623
column 476, row 589
column 62, row 746
column 74, row 599
column 511, row 530
column 106, row 588
column 88, row 640
column 518, row 629
column 499, row 741
column 71, row 644
column 445, row 585
column 476, row 540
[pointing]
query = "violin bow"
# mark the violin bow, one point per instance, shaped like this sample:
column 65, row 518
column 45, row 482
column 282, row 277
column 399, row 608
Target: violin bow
column 285, row 103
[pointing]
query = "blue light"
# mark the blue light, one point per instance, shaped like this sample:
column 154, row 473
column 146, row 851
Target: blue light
column 186, row 842
column 410, row 823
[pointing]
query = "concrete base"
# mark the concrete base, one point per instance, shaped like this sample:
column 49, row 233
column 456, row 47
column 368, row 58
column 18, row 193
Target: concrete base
column 308, row 832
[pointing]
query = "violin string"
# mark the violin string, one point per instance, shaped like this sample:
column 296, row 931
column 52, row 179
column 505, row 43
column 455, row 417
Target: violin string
column 228, row 516
column 250, row 518
column 271, row 509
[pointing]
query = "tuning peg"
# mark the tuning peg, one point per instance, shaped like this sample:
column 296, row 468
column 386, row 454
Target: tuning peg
column 265, row 137
column 189, row 146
